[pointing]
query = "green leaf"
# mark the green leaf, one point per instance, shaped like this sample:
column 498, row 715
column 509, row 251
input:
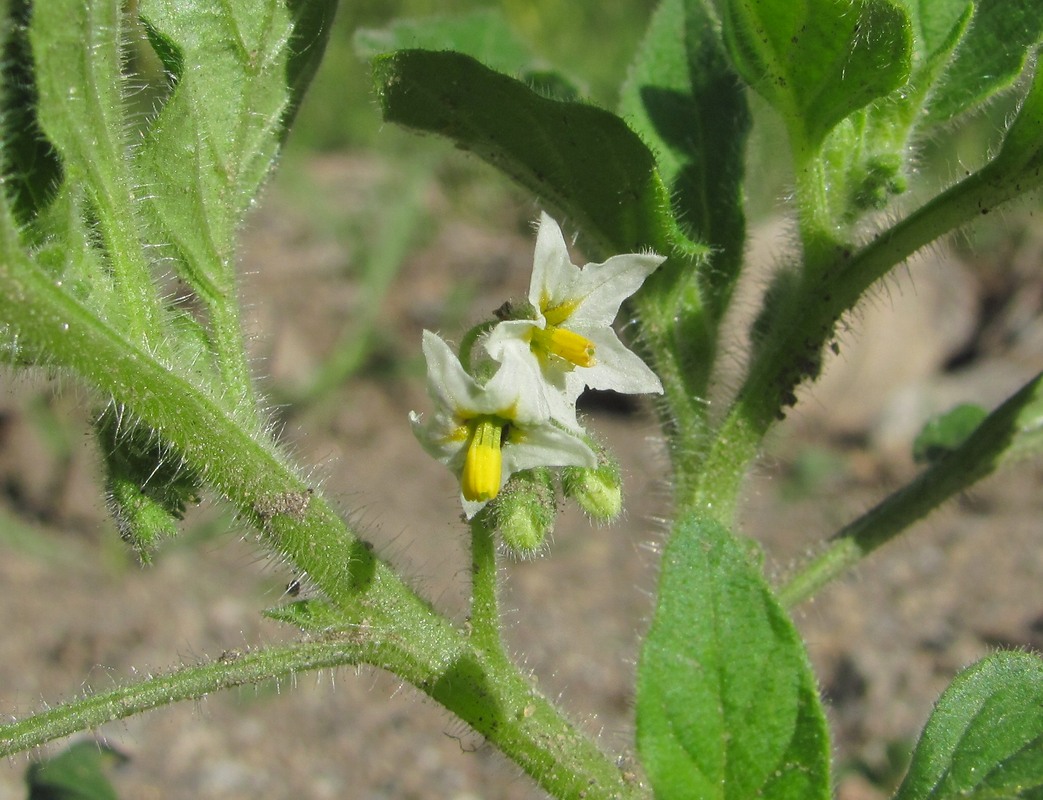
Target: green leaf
column 985, row 736
column 76, row 50
column 74, row 774
column 933, row 25
column 868, row 153
column 989, row 58
column 945, row 433
column 727, row 705
column 206, row 154
column 817, row 61
column 583, row 162
column 685, row 101
column 483, row 34
column 1020, row 160
column 312, row 23
column 32, row 171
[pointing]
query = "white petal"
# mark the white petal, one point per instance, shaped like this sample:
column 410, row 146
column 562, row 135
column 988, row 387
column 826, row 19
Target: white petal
column 457, row 392
column 603, row 287
column 553, row 273
column 472, row 507
column 508, row 333
column 546, row 446
column 519, row 381
column 558, row 402
column 617, row 368
column 436, row 436
column 448, row 383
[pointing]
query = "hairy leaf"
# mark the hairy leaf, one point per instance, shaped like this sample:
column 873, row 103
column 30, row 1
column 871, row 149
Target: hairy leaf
column 583, row 162
column 727, row 705
column 312, row 23
column 686, row 102
column 81, row 104
column 985, row 736
column 990, row 57
column 31, row 167
column 204, row 157
column 817, row 61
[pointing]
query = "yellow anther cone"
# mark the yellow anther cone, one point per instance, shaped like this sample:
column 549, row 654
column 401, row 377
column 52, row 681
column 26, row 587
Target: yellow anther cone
column 483, row 462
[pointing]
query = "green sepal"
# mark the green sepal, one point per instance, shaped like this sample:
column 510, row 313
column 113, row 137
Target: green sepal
column 597, row 490
column 727, row 705
column 984, row 739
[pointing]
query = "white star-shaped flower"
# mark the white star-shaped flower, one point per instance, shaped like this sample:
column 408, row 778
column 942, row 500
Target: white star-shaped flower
column 570, row 343
column 486, row 432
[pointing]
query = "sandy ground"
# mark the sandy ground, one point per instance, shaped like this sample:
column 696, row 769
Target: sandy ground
column 81, row 615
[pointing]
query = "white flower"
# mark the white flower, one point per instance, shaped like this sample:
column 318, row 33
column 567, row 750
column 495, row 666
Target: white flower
column 486, row 432
column 571, row 343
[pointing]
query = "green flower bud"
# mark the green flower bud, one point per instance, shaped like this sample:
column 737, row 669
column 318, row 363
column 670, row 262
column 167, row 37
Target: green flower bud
column 525, row 512
column 598, row 491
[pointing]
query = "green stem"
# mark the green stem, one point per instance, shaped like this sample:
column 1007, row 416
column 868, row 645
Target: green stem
column 489, row 695
column 231, row 669
column 791, row 350
column 818, row 233
column 411, row 639
column 976, row 458
column 485, row 614
column 676, row 333
column 226, row 336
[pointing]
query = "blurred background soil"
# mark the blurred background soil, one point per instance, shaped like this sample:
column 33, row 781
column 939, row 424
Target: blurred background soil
column 355, row 251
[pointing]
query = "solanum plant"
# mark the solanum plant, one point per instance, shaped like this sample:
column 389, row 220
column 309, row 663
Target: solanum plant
column 100, row 201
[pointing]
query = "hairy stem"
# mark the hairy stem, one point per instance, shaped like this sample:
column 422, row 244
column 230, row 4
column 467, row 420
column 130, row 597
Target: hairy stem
column 790, row 351
column 976, row 458
column 485, row 614
column 407, row 636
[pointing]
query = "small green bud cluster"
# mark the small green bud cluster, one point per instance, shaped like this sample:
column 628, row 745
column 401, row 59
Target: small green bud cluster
column 525, row 510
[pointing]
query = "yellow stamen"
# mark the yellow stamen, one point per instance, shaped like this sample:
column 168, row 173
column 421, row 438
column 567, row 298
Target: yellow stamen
column 555, row 315
column 483, row 464
column 566, row 344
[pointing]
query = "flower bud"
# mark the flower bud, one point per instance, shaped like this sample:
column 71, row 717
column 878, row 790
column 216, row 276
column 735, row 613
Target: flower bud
column 598, row 490
column 525, row 512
